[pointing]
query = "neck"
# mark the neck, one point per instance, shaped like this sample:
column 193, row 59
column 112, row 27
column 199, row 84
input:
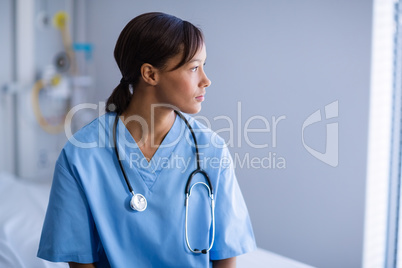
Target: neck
column 147, row 123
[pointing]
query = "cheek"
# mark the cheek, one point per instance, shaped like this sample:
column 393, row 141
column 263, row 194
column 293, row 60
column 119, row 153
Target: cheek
column 174, row 81
column 184, row 84
column 179, row 85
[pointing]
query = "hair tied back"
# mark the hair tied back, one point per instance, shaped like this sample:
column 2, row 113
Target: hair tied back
column 124, row 82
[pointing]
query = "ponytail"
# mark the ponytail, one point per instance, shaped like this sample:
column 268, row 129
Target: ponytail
column 120, row 98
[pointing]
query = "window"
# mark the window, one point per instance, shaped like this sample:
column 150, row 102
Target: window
column 384, row 147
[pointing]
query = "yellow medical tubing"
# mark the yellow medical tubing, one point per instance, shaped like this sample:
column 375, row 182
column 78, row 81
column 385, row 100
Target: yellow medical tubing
column 51, row 129
column 60, row 20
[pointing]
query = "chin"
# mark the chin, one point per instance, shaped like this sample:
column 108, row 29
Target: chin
column 192, row 110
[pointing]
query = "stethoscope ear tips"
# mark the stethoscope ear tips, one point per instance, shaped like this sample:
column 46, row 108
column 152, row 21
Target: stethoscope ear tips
column 138, row 202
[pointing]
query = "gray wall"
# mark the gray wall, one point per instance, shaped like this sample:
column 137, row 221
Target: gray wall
column 6, row 77
column 279, row 58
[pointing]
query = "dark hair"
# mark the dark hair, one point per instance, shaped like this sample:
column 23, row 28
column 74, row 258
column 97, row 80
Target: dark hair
column 150, row 38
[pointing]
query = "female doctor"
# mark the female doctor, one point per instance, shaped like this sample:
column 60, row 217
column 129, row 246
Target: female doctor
column 145, row 185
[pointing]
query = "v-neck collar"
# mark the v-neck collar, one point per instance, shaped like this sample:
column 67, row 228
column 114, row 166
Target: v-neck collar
column 135, row 162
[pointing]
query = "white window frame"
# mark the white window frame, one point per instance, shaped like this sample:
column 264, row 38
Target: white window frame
column 379, row 157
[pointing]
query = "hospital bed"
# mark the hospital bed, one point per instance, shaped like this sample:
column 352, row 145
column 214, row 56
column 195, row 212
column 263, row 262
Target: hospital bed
column 22, row 210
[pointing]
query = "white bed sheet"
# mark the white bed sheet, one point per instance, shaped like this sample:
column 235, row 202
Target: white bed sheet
column 262, row 258
column 22, row 211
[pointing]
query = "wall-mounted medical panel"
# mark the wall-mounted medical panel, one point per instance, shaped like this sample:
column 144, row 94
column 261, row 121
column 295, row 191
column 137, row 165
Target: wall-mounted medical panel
column 45, row 64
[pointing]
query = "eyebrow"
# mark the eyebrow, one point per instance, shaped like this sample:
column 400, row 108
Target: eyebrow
column 193, row 60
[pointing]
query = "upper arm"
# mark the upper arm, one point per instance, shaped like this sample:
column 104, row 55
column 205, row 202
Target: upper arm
column 225, row 263
column 80, row 265
column 233, row 230
column 68, row 233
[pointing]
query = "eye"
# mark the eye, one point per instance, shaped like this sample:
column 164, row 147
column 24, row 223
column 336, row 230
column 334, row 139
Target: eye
column 194, row 69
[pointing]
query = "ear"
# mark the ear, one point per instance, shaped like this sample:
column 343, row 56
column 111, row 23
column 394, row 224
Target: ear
column 149, row 74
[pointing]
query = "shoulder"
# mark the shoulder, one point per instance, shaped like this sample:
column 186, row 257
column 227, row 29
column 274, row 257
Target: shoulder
column 212, row 147
column 93, row 134
column 204, row 134
column 93, row 130
column 90, row 138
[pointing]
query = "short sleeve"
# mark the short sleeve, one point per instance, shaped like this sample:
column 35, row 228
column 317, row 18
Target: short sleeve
column 68, row 233
column 234, row 233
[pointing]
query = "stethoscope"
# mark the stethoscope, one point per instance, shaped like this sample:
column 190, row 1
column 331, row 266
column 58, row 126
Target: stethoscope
column 139, row 202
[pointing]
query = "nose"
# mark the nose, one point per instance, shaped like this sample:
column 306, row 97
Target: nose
column 206, row 82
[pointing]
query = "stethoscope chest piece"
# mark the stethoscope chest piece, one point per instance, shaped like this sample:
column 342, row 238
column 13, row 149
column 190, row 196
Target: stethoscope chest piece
column 138, row 202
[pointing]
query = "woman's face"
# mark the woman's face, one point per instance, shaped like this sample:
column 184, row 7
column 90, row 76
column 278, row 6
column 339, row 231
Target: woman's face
column 184, row 87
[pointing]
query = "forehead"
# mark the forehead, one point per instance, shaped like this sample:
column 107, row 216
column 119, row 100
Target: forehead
column 200, row 56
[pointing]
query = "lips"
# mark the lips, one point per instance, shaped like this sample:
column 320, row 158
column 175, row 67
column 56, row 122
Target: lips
column 201, row 96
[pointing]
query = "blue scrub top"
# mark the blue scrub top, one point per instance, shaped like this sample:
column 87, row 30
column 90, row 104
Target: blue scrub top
column 89, row 218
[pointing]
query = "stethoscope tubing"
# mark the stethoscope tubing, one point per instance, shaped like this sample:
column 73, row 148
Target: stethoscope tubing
column 116, row 120
column 204, row 251
column 187, row 189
